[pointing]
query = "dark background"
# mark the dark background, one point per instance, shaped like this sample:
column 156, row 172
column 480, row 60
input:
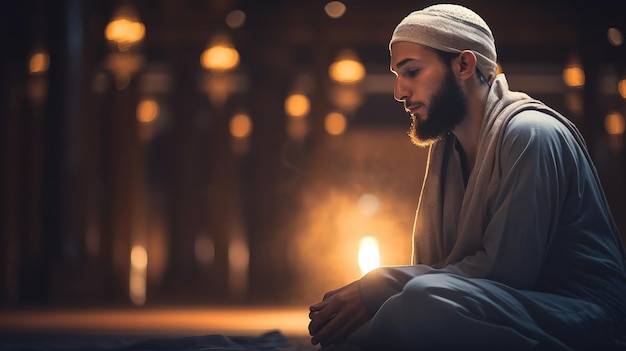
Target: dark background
column 82, row 181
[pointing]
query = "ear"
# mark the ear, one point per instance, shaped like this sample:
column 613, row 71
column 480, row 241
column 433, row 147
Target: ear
column 467, row 64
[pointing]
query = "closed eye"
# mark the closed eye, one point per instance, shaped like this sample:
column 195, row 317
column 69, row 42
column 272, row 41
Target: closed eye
column 412, row 73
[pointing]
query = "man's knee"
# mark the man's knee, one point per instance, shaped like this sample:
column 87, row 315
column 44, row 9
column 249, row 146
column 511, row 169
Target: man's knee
column 429, row 286
column 433, row 297
column 422, row 313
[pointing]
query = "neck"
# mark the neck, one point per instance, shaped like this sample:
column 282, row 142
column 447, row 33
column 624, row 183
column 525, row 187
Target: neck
column 468, row 131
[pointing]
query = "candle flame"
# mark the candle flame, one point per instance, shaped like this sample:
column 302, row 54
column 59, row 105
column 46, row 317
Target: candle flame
column 369, row 256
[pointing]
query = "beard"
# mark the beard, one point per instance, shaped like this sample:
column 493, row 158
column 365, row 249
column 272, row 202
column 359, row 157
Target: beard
column 447, row 109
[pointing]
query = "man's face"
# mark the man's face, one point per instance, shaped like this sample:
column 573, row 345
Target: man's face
column 429, row 91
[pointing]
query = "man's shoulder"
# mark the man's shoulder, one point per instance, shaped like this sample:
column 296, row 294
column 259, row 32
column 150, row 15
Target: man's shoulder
column 536, row 123
column 534, row 118
column 534, row 130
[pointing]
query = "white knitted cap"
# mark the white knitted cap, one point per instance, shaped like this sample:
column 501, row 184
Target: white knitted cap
column 450, row 28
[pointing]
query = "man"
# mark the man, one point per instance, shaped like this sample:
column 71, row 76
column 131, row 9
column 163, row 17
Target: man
column 515, row 247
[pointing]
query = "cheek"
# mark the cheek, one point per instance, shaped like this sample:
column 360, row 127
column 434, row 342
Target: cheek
column 431, row 86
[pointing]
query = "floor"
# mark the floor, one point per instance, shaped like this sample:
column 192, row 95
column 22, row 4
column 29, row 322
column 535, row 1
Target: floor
column 290, row 321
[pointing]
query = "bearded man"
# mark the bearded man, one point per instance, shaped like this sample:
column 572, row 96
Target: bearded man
column 515, row 247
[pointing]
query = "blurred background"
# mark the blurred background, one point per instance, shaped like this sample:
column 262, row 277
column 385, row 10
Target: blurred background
column 245, row 152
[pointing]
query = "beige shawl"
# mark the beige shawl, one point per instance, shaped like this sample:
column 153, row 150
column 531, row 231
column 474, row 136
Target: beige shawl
column 451, row 218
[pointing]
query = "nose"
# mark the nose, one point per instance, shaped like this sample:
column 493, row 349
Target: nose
column 400, row 92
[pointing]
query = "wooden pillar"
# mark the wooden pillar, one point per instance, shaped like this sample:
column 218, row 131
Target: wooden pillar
column 183, row 189
column 12, row 104
column 271, row 77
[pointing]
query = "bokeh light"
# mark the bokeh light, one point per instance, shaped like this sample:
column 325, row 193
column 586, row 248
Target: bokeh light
column 125, row 31
column 147, row 111
column 240, row 125
column 369, row 204
column 238, row 263
column 335, row 123
column 297, row 105
column 138, row 274
column 574, row 76
column 335, row 9
column 347, row 69
column 220, row 56
column 614, row 123
column 615, row 36
column 39, row 62
column 139, row 257
column 236, row 19
column 621, row 87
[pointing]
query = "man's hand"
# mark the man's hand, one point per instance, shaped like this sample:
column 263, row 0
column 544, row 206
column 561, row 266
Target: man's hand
column 340, row 313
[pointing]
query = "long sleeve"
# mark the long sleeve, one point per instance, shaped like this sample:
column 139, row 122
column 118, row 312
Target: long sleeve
column 525, row 213
column 522, row 219
column 382, row 283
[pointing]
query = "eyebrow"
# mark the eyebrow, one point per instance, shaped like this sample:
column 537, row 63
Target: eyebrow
column 402, row 63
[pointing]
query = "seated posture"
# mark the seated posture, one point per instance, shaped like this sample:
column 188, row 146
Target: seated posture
column 515, row 247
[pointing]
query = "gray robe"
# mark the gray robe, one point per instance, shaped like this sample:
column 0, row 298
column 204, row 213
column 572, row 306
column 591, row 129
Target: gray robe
column 526, row 256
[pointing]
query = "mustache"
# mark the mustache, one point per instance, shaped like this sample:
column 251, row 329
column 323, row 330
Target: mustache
column 408, row 104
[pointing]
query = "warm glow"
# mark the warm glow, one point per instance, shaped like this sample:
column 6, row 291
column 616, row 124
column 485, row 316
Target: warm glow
column 240, row 125
column 615, row 36
column 347, row 69
column 176, row 320
column 297, row 105
column 621, row 87
column 238, row 262
column 369, row 256
column 333, row 219
column 369, row 204
column 147, row 111
column 499, row 68
column 235, row 19
column 335, row 123
column 139, row 257
column 335, row 9
column 125, row 31
column 614, row 123
column 574, row 76
column 138, row 274
column 221, row 56
column 39, row 62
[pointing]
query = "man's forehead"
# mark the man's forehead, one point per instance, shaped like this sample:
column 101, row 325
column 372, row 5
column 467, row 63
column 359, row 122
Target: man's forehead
column 405, row 52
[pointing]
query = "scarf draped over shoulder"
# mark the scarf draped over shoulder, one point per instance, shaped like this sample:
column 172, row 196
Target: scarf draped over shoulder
column 451, row 217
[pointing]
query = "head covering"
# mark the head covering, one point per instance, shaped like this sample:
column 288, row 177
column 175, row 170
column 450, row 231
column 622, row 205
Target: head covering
column 450, row 28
